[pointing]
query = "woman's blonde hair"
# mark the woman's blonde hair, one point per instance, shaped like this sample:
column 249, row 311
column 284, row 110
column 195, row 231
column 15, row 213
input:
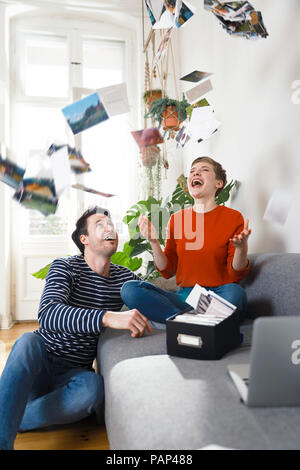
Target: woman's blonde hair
column 218, row 169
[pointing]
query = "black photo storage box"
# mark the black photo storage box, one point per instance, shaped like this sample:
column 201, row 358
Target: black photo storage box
column 206, row 342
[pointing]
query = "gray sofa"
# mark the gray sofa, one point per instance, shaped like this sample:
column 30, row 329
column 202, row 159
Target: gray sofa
column 155, row 401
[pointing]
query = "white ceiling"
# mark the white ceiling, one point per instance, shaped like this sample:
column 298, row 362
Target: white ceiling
column 133, row 7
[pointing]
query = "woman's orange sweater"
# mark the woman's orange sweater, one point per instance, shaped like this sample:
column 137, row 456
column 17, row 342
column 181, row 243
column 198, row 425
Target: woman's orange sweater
column 198, row 249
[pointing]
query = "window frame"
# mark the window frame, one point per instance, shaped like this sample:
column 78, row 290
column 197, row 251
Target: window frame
column 26, row 248
column 75, row 31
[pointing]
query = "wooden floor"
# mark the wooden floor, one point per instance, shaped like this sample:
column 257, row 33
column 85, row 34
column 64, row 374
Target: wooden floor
column 84, row 435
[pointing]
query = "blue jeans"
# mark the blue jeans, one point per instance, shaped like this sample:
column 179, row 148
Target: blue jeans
column 158, row 304
column 38, row 389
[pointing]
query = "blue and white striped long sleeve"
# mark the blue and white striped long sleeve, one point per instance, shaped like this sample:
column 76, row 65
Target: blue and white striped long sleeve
column 72, row 305
column 55, row 312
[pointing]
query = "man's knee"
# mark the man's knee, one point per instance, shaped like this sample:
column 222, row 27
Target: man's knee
column 29, row 343
column 91, row 389
column 28, row 352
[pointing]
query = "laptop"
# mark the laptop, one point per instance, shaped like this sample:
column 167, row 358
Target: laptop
column 273, row 376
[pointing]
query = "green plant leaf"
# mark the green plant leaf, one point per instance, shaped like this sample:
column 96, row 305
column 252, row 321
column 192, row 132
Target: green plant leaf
column 128, row 218
column 140, row 248
column 225, row 193
column 134, row 263
column 123, row 258
column 136, row 241
column 127, row 249
column 150, row 269
column 42, row 273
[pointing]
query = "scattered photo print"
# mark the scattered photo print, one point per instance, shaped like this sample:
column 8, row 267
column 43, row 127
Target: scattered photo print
column 42, row 186
column 147, row 137
column 85, row 113
column 196, row 76
column 163, row 46
column 182, row 136
column 36, row 201
column 169, row 13
column 90, row 190
column 10, row 173
column 203, row 303
column 184, row 15
column 77, row 162
column 150, row 12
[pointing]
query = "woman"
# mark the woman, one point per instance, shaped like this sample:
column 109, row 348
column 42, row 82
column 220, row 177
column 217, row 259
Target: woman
column 206, row 245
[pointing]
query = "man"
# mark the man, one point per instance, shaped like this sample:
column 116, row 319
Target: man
column 48, row 378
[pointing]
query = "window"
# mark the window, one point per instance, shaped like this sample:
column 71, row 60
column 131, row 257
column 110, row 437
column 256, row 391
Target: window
column 106, row 146
column 45, row 65
column 51, row 58
column 48, row 67
column 103, row 63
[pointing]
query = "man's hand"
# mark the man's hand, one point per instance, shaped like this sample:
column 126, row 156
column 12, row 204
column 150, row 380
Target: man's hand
column 240, row 240
column 131, row 320
column 147, row 229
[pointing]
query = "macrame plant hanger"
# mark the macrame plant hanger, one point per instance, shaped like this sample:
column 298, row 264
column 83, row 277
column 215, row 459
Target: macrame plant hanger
column 160, row 71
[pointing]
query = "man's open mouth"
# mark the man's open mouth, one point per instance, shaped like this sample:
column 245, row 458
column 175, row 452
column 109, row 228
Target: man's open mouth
column 109, row 237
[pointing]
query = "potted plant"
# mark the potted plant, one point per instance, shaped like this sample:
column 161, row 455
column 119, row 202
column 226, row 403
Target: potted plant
column 150, row 154
column 151, row 95
column 169, row 113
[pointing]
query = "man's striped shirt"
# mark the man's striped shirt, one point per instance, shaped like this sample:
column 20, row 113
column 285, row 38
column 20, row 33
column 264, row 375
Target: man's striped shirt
column 72, row 305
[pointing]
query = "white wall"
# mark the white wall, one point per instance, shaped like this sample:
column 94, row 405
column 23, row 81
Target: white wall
column 258, row 142
column 5, row 258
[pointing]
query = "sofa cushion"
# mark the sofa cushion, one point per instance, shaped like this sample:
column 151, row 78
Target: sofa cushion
column 116, row 345
column 155, row 401
column 272, row 284
column 163, row 402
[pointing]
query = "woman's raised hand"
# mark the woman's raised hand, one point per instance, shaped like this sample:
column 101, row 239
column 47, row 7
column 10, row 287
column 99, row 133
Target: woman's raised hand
column 240, row 240
column 147, row 229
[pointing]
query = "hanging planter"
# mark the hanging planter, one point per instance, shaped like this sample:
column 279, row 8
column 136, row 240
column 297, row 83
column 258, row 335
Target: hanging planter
column 170, row 121
column 169, row 113
column 150, row 155
column 151, row 95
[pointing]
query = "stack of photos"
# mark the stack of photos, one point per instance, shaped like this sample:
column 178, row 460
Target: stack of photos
column 85, row 113
column 238, row 18
column 208, row 308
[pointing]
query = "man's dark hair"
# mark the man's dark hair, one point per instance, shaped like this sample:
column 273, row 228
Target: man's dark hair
column 81, row 224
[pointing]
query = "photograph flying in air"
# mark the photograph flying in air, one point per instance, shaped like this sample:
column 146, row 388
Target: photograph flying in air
column 85, row 113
